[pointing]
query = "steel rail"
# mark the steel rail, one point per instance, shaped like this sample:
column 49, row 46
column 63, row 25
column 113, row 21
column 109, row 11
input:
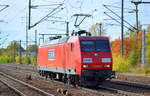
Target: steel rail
column 13, row 88
column 28, row 85
column 112, row 90
column 133, row 84
column 120, row 91
column 97, row 91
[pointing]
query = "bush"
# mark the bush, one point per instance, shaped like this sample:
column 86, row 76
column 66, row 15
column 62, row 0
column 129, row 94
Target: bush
column 27, row 60
column 17, row 59
column 120, row 64
column 33, row 60
column 6, row 59
column 133, row 58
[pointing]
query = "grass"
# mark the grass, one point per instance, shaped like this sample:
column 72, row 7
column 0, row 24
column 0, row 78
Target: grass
column 141, row 70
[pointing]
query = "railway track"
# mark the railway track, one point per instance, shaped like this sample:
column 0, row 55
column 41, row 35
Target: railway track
column 61, row 83
column 110, row 89
column 127, row 88
column 107, row 91
column 20, row 87
column 103, row 92
column 133, row 84
column 117, row 92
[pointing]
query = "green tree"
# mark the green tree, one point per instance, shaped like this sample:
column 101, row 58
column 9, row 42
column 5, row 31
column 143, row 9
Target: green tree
column 148, row 45
column 13, row 49
column 32, row 48
column 27, row 60
column 2, row 50
column 132, row 51
column 133, row 58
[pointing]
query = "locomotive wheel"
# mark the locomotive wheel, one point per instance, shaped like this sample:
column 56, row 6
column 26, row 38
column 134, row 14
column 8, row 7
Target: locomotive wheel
column 68, row 79
column 46, row 75
column 40, row 73
column 73, row 80
column 77, row 81
column 43, row 73
column 52, row 76
column 60, row 77
column 64, row 78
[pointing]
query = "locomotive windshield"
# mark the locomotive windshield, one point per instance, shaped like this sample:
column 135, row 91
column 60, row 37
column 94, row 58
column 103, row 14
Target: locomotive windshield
column 95, row 45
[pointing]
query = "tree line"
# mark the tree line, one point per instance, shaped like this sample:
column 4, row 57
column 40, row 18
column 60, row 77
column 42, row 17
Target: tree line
column 131, row 61
column 10, row 54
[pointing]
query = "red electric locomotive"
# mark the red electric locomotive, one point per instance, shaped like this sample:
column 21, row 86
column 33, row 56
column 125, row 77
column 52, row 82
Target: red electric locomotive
column 82, row 60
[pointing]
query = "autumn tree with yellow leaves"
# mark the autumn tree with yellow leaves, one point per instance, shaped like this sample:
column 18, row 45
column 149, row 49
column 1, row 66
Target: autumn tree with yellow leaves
column 132, row 52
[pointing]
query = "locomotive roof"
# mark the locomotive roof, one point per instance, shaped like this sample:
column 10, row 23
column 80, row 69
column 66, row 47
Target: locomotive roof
column 65, row 39
column 56, row 41
column 93, row 38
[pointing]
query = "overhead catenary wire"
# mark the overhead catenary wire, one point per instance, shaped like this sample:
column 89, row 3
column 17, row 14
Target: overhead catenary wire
column 67, row 7
column 4, row 7
column 43, row 6
column 117, row 21
column 12, row 18
column 11, row 5
column 119, row 16
column 119, row 7
column 56, row 12
column 41, row 20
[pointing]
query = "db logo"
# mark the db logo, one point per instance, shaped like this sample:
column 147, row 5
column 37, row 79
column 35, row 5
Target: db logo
column 96, row 54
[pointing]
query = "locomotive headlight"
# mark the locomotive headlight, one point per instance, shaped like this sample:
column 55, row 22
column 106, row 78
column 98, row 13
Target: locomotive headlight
column 106, row 60
column 106, row 65
column 85, row 66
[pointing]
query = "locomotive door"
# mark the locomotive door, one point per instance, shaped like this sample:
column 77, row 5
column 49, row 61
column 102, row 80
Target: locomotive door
column 64, row 58
column 68, row 57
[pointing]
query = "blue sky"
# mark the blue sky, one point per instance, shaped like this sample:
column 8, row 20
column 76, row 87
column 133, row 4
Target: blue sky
column 14, row 16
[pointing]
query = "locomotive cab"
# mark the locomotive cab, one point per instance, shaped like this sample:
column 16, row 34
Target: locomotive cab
column 96, row 59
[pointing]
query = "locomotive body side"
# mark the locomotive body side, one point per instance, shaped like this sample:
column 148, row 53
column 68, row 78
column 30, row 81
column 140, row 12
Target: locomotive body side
column 60, row 58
